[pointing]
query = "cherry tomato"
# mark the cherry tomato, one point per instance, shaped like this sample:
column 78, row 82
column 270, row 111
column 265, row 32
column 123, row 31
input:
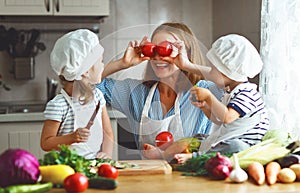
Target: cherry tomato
column 164, row 139
column 76, row 183
column 164, row 49
column 108, row 171
column 148, row 49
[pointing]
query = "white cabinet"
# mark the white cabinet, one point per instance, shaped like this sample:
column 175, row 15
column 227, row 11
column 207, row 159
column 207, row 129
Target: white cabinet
column 54, row 7
column 25, row 135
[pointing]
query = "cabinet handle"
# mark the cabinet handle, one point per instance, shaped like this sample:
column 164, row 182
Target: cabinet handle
column 57, row 5
column 47, row 5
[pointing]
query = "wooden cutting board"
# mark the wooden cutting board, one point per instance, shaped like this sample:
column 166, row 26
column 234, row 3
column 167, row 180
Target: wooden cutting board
column 146, row 167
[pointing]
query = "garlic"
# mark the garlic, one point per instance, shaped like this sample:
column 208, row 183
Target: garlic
column 237, row 174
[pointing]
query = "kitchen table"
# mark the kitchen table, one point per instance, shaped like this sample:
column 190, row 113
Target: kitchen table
column 177, row 183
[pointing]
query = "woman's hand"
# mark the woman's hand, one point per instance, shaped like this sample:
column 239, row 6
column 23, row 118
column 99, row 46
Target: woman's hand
column 132, row 55
column 81, row 135
column 179, row 55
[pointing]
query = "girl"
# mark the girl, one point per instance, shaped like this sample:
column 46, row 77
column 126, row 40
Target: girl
column 77, row 59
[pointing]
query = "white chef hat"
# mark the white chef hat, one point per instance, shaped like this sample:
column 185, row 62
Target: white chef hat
column 75, row 53
column 234, row 56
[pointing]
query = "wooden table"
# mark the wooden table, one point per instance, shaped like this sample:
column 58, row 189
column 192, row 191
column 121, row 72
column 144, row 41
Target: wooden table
column 176, row 183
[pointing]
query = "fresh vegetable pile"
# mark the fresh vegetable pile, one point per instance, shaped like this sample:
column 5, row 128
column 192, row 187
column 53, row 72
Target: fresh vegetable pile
column 22, row 172
column 275, row 159
column 65, row 168
column 68, row 156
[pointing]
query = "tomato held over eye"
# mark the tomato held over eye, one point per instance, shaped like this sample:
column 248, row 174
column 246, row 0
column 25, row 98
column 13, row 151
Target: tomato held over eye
column 164, row 49
column 76, row 183
column 164, row 139
column 108, row 171
column 148, row 49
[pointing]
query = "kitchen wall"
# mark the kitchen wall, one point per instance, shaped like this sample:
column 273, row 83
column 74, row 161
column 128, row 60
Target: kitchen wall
column 131, row 19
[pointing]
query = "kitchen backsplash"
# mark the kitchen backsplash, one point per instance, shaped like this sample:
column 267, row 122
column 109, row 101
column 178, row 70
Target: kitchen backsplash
column 128, row 19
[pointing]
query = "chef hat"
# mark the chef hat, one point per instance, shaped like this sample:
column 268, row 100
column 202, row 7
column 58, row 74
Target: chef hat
column 234, row 56
column 75, row 53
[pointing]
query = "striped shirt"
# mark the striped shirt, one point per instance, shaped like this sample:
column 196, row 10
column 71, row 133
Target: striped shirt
column 129, row 96
column 247, row 101
column 58, row 109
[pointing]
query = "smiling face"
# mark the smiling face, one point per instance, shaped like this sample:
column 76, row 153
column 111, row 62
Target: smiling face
column 161, row 68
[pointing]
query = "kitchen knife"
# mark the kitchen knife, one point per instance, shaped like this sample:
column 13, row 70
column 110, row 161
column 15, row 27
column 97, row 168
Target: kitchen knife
column 91, row 121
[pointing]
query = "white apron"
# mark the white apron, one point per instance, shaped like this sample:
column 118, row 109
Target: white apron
column 149, row 128
column 227, row 131
column 82, row 114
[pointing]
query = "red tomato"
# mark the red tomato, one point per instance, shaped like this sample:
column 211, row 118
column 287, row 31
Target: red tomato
column 164, row 49
column 164, row 139
column 108, row 171
column 148, row 49
column 76, row 182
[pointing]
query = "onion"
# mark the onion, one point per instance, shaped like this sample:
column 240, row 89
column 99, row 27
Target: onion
column 18, row 166
column 218, row 167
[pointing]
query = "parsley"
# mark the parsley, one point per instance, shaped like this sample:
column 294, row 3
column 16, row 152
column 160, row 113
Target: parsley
column 196, row 165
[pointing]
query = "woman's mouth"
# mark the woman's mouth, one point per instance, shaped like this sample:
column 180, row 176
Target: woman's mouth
column 161, row 65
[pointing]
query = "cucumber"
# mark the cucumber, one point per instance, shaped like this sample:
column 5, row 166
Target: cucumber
column 29, row 188
column 102, row 183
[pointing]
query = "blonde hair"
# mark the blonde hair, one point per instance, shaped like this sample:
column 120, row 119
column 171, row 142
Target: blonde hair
column 194, row 53
column 84, row 90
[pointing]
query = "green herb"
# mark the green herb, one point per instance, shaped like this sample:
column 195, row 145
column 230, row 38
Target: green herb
column 196, row 165
column 70, row 157
column 67, row 156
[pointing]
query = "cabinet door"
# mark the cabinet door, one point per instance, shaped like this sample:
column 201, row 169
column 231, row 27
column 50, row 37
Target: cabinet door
column 81, row 7
column 26, row 7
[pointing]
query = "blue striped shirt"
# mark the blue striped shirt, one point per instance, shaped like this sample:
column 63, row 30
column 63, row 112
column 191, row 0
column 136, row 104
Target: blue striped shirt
column 129, row 95
column 247, row 101
column 58, row 109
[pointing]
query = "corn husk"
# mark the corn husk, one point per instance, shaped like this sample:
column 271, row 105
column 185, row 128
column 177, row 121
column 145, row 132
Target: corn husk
column 263, row 152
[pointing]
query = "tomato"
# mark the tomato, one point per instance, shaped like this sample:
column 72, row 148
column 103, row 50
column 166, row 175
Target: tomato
column 164, row 49
column 76, row 182
column 148, row 49
column 164, row 139
column 108, row 171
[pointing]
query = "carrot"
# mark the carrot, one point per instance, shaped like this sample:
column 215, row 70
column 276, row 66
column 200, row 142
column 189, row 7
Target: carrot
column 257, row 172
column 272, row 170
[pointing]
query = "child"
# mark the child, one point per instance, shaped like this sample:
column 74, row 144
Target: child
column 240, row 120
column 77, row 59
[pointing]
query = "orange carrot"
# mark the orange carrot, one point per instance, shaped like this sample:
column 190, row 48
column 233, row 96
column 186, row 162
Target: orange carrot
column 272, row 170
column 257, row 172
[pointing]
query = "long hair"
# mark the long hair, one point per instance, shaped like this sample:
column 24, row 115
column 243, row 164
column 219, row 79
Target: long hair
column 83, row 90
column 193, row 49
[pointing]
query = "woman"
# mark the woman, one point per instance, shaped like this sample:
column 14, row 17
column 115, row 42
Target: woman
column 159, row 102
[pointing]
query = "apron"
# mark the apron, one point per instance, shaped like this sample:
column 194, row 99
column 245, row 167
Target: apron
column 149, row 128
column 227, row 131
column 82, row 114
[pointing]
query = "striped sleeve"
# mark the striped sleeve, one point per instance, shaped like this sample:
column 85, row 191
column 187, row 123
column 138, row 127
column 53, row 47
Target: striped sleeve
column 246, row 100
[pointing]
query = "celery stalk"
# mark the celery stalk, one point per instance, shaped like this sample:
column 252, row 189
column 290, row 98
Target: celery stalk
column 263, row 152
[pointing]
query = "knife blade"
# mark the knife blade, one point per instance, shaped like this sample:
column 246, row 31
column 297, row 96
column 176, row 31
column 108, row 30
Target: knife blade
column 91, row 121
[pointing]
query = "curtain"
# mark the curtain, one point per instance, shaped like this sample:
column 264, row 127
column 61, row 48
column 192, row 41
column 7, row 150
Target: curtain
column 280, row 51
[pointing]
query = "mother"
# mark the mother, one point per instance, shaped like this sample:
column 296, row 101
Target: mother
column 160, row 101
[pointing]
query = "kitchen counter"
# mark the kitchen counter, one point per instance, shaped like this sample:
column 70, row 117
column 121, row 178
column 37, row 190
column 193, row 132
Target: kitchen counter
column 38, row 116
column 20, row 130
column 176, row 183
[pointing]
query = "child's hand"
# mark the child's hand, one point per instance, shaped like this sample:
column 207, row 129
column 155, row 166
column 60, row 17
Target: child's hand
column 199, row 96
column 81, row 134
column 102, row 155
column 183, row 157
